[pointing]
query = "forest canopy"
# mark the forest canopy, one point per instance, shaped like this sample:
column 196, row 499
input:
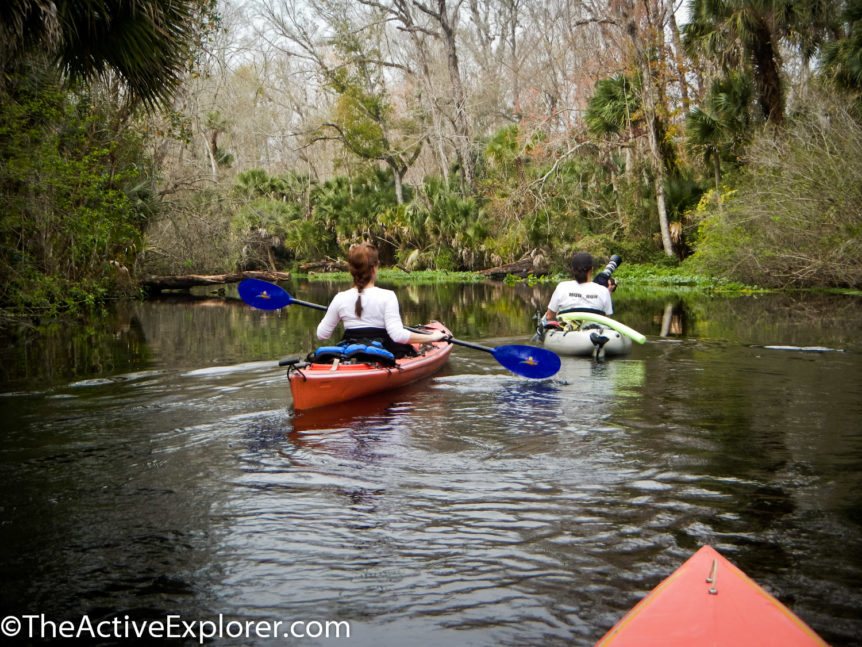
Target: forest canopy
column 161, row 136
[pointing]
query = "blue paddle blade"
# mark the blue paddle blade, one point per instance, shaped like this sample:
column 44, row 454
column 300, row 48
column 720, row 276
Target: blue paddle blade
column 528, row 361
column 263, row 295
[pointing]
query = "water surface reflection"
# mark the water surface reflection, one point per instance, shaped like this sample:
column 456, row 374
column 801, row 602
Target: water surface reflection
column 171, row 476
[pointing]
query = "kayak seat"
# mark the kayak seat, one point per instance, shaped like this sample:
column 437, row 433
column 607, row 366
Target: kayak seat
column 326, row 354
column 373, row 353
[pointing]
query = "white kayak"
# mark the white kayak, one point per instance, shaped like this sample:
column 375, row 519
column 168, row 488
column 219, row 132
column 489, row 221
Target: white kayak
column 588, row 334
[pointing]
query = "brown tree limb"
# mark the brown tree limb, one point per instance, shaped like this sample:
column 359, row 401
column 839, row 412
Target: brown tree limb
column 185, row 281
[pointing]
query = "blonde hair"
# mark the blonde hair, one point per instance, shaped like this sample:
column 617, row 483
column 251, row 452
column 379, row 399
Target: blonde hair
column 361, row 261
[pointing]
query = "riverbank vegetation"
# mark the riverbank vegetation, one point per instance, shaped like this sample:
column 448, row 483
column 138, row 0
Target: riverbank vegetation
column 648, row 275
column 202, row 136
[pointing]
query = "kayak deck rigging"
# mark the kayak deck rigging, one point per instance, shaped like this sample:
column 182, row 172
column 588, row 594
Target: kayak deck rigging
column 709, row 601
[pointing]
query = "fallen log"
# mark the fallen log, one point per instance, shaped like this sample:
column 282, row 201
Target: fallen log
column 186, row 281
column 533, row 263
column 324, row 267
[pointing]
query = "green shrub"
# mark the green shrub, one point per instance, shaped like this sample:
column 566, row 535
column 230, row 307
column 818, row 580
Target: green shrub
column 77, row 192
column 192, row 234
column 795, row 219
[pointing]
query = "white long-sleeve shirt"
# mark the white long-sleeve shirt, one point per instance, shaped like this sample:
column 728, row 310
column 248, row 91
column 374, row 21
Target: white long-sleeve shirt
column 379, row 310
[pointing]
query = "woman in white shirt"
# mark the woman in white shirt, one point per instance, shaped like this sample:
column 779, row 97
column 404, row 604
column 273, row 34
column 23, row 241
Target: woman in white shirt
column 370, row 313
column 581, row 294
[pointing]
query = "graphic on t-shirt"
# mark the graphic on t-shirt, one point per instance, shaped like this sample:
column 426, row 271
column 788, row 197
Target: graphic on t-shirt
column 578, row 295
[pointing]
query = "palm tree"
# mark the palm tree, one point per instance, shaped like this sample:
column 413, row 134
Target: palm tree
column 744, row 34
column 615, row 106
column 843, row 57
column 146, row 43
column 619, row 104
column 721, row 126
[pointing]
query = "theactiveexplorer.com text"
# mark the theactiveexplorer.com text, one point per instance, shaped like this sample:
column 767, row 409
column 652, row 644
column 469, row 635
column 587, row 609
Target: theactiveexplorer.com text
column 38, row 626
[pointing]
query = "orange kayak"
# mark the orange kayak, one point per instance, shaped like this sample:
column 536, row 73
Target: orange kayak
column 317, row 385
column 709, row 602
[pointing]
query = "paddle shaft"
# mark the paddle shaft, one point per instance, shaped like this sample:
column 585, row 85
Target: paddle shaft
column 458, row 342
column 537, row 363
column 308, row 304
column 317, row 306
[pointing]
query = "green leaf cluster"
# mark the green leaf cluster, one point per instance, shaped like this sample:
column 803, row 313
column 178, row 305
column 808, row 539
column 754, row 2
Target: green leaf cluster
column 147, row 44
column 76, row 195
column 842, row 58
column 614, row 106
column 295, row 218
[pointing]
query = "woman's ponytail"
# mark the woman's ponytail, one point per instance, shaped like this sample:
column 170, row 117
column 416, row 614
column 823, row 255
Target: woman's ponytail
column 361, row 261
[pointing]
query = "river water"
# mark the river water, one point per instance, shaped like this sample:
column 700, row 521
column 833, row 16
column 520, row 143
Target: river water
column 152, row 466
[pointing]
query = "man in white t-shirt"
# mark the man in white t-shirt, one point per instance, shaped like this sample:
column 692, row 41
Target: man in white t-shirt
column 581, row 293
